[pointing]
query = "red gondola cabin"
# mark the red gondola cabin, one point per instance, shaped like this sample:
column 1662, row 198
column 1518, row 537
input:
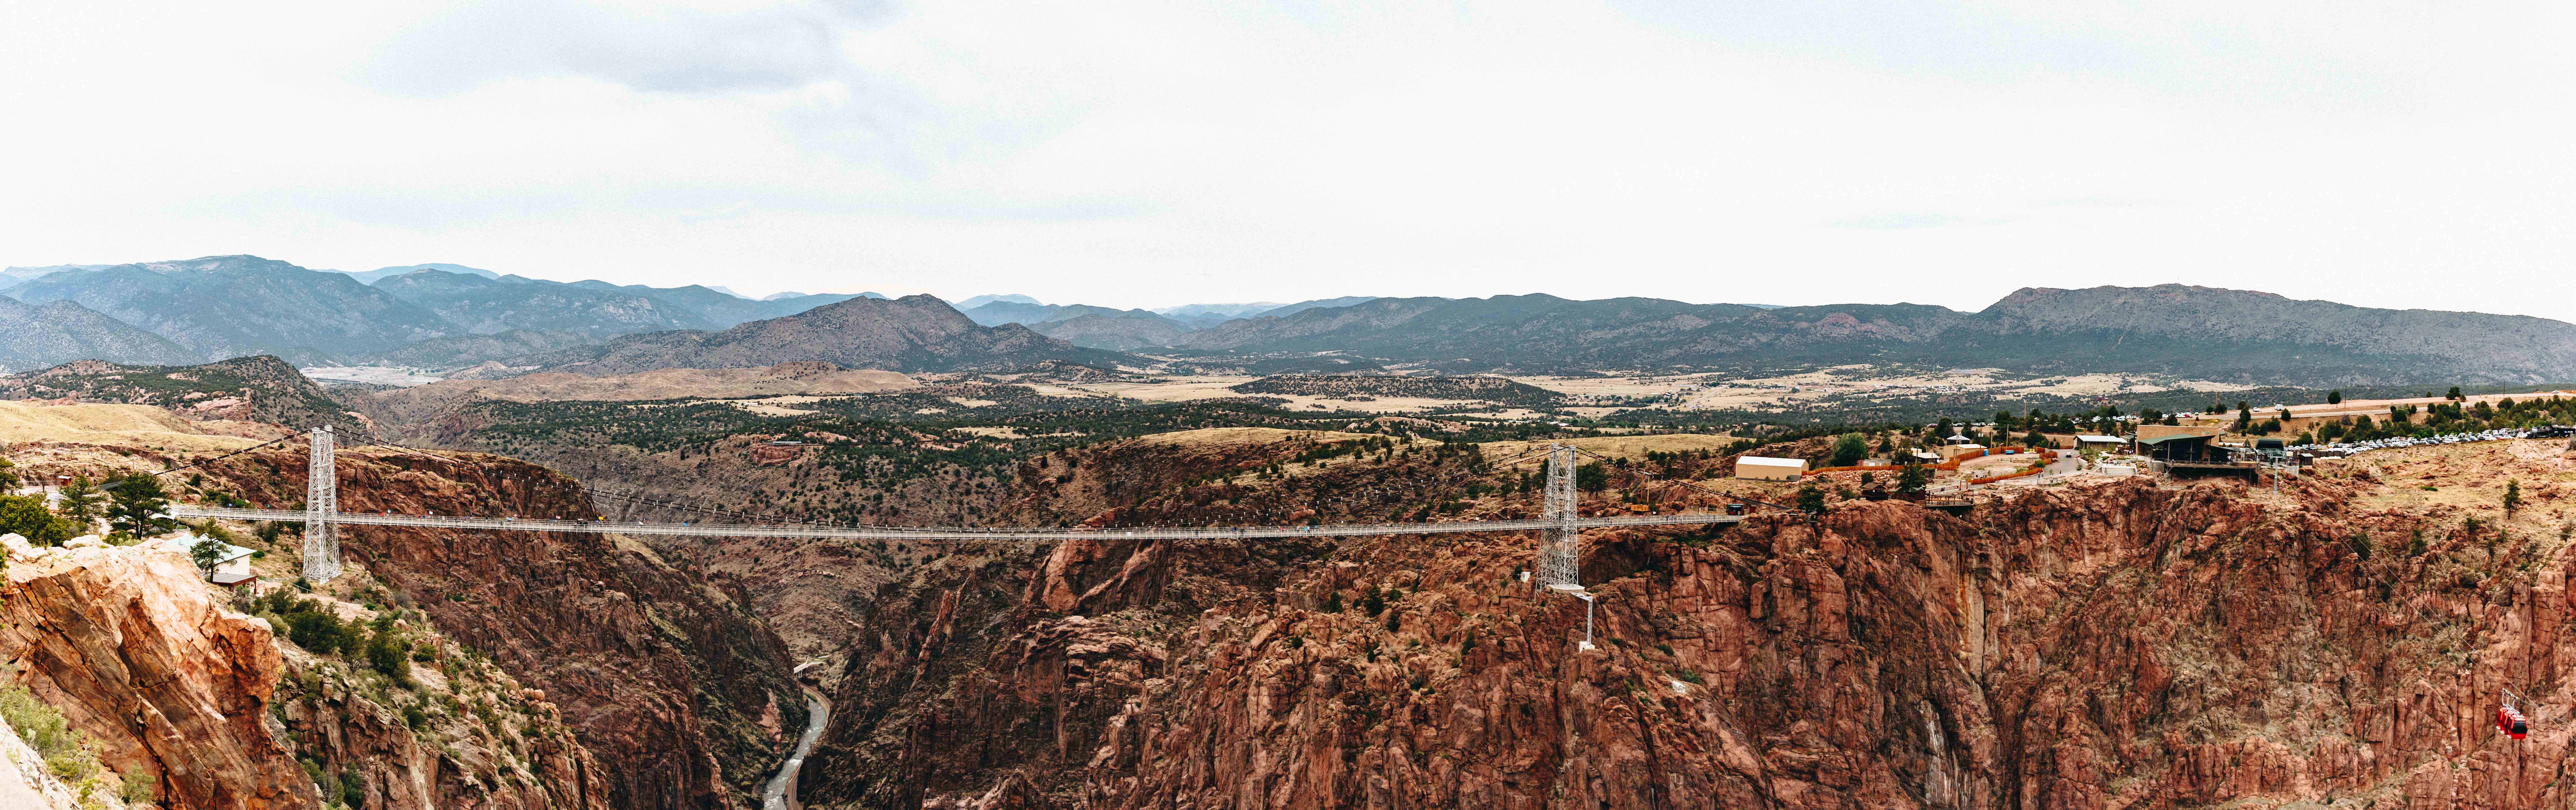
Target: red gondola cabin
column 2512, row 723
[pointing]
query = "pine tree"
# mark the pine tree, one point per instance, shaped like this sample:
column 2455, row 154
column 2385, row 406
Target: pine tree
column 135, row 505
column 79, row 501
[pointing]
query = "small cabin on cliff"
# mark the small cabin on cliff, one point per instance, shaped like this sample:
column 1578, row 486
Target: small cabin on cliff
column 232, row 563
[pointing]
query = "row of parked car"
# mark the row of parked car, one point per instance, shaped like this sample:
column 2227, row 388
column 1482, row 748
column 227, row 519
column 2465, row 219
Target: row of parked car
column 2499, row 434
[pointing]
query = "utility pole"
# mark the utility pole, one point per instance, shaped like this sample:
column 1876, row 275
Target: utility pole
column 321, row 503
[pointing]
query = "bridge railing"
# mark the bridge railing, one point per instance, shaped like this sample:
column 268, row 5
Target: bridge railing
column 941, row 533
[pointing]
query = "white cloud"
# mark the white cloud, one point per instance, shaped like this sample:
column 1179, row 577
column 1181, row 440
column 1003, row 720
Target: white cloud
column 1157, row 154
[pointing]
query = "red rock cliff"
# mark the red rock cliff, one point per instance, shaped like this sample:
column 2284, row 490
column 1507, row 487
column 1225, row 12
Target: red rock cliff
column 661, row 678
column 2117, row 646
column 165, row 681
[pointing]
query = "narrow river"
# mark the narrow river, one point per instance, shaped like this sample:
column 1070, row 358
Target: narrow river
column 818, row 712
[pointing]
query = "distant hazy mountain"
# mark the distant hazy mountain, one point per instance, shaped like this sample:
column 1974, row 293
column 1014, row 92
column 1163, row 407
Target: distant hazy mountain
column 996, row 313
column 913, row 333
column 1085, row 325
column 483, row 306
column 2256, row 336
column 14, row 276
column 1499, row 332
column 785, row 295
column 1320, row 303
column 719, row 309
column 729, row 291
column 1202, row 316
column 34, row 336
column 2193, row 332
column 981, row 300
column 226, row 306
column 382, row 273
column 1117, row 330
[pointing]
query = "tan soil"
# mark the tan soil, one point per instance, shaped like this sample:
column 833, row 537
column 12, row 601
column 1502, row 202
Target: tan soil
column 124, row 425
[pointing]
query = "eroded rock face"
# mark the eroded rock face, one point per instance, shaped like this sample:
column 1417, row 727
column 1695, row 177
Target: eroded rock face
column 2115, row 646
column 484, row 741
column 128, row 644
column 662, row 679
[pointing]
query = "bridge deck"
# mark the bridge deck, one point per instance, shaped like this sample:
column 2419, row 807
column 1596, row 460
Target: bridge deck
column 944, row 533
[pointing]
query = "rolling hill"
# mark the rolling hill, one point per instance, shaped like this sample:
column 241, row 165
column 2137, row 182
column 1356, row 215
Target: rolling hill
column 263, row 389
column 913, row 333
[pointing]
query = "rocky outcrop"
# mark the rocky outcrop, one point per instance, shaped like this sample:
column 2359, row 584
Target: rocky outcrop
column 457, row 734
column 167, row 683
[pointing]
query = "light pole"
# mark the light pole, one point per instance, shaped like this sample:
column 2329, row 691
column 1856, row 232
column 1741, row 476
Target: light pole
column 1577, row 592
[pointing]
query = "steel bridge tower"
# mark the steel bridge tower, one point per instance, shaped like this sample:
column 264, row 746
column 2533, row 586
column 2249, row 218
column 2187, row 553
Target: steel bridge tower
column 321, row 503
column 1560, row 550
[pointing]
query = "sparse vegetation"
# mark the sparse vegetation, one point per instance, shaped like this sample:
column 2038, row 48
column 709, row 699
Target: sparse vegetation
column 26, row 516
column 65, row 750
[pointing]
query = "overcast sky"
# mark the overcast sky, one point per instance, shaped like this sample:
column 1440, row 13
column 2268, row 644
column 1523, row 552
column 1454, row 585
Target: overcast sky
column 1792, row 152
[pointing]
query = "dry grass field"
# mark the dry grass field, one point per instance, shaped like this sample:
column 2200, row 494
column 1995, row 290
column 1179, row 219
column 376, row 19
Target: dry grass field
column 125, row 425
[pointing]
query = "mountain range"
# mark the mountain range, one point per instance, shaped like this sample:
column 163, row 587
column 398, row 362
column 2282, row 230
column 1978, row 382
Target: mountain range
column 1125, row 329
column 2192, row 332
column 427, row 315
column 451, row 316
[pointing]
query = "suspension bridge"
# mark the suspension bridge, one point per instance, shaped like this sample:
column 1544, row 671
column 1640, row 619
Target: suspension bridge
column 1560, row 549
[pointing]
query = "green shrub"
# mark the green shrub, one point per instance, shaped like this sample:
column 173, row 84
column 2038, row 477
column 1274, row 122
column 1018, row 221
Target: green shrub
column 391, row 655
column 1811, row 500
column 65, row 751
column 312, row 626
column 1850, row 449
column 27, row 516
column 353, row 788
column 139, row 788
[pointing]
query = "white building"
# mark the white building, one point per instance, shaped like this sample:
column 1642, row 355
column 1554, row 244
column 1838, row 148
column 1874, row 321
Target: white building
column 1762, row 468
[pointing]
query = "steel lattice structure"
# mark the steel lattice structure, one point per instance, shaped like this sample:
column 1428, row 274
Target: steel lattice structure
column 1560, row 550
column 321, row 509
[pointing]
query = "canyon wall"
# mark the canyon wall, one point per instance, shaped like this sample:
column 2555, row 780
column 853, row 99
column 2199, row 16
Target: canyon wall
column 674, row 684
column 2110, row 646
